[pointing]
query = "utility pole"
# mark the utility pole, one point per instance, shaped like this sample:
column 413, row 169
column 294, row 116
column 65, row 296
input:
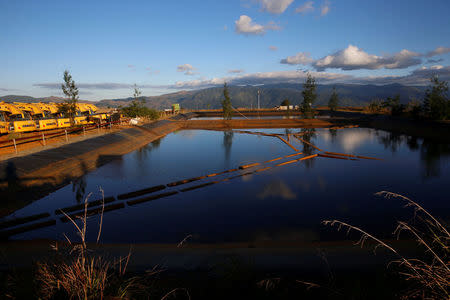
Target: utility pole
column 259, row 92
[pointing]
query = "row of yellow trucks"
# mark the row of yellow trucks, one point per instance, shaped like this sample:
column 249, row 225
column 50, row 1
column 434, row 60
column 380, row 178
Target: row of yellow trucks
column 26, row 117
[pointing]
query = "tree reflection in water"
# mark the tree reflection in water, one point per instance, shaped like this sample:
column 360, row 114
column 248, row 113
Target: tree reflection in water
column 431, row 151
column 307, row 135
column 79, row 188
column 227, row 143
column 142, row 153
column 333, row 134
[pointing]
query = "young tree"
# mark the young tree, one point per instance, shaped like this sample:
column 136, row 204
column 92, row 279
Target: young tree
column 334, row 100
column 285, row 102
column 226, row 103
column 137, row 107
column 393, row 104
column 137, row 93
column 69, row 106
column 309, row 94
column 436, row 105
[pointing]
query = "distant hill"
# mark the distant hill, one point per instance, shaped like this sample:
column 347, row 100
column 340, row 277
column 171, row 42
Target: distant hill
column 28, row 99
column 246, row 96
column 273, row 95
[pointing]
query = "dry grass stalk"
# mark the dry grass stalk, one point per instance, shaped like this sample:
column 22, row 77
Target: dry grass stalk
column 431, row 278
column 84, row 275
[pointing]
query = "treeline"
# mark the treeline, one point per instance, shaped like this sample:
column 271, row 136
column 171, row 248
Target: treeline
column 435, row 105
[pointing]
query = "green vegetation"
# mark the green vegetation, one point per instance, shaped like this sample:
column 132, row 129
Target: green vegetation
column 436, row 104
column 69, row 107
column 226, row 104
column 309, row 94
column 334, row 100
column 137, row 107
column 375, row 106
column 285, row 102
column 393, row 105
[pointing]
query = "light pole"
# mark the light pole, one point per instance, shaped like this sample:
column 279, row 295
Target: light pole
column 259, row 92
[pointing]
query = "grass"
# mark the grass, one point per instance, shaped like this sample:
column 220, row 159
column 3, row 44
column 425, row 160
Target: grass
column 77, row 272
column 80, row 273
column 430, row 275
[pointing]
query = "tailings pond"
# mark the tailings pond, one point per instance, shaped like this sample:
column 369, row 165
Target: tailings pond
column 280, row 204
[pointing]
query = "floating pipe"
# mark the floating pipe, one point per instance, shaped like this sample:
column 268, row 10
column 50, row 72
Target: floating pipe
column 287, row 143
column 223, row 172
column 335, row 156
column 291, row 155
column 93, row 211
column 150, row 198
column 23, row 220
column 14, row 231
column 185, row 181
column 141, row 192
column 317, row 148
column 248, row 166
column 81, row 206
column 198, row 186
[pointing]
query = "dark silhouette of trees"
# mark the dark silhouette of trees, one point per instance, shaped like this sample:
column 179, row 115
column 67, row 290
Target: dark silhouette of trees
column 436, row 104
column 309, row 94
column 226, row 103
column 334, row 100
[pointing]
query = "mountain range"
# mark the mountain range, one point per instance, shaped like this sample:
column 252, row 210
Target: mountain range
column 246, row 96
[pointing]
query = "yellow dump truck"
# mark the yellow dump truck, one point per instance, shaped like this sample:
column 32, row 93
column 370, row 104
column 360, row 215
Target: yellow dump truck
column 43, row 121
column 19, row 121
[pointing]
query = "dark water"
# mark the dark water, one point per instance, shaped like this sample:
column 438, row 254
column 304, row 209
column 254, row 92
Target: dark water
column 286, row 203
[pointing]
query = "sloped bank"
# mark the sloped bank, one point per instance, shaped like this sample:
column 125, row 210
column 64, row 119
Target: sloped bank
column 27, row 178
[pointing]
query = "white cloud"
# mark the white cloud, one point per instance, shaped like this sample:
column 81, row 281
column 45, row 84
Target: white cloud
column 277, row 188
column 245, row 25
column 353, row 58
column 275, row 6
column 261, row 78
column 325, row 8
column 131, row 66
column 305, row 8
column 187, row 69
column 419, row 76
column 273, row 48
column 351, row 140
column 301, row 58
column 438, row 51
column 235, row 71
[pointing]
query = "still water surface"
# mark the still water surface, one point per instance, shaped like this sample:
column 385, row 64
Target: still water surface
column 286, row 203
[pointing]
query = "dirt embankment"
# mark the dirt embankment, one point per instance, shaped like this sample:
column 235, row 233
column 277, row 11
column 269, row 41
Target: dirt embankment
column 24, row 179
column 255, row 123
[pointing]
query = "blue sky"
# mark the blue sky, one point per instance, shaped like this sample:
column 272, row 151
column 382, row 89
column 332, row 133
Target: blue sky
column 166, row 46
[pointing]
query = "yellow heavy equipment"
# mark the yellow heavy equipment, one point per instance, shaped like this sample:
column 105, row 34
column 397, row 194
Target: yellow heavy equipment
column 4, row 124
column 97, row 117
column 19, row 121
column 83, row 113
column 51, row 109
column 43, row 121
